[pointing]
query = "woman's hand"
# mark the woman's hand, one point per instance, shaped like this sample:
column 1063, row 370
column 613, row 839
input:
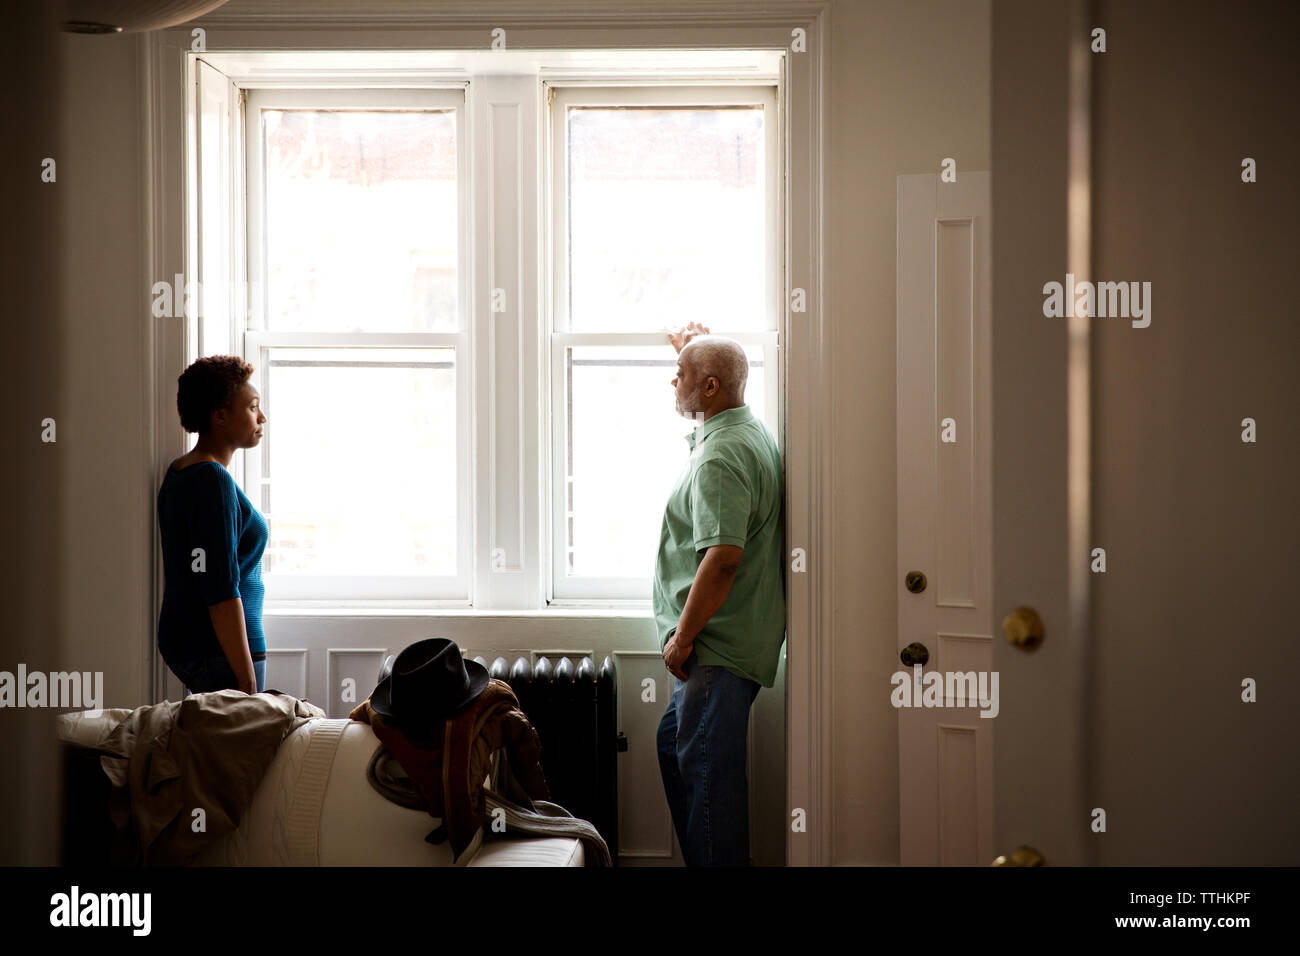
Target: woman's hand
column 228, row 621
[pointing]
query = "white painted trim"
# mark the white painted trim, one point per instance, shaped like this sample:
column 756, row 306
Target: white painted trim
column 331, row 679
column 167, row 86
column 151, row 192
column 810, row 373
column 574, row 339
column 391, row 14
column 661, row 93
column 428, row 68
column 447, row 609
column 507, row 421
column 356, row 340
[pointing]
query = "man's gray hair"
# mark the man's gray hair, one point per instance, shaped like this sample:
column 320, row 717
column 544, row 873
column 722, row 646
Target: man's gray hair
column 723, row 358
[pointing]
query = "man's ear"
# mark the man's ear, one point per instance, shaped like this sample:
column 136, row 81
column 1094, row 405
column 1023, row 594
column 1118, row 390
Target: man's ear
column 712, row 386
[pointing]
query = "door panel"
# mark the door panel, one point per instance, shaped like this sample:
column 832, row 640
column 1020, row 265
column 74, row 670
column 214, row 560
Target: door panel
column 945, row 517
column 1201, row 529
column 1126, row 166
column 1038, row 762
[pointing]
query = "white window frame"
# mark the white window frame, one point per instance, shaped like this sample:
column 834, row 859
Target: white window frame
column 486, row 494
column 579, row 590
column 449, row 589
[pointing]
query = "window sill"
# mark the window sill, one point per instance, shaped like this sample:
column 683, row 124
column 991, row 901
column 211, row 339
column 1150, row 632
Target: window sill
column 632, row 610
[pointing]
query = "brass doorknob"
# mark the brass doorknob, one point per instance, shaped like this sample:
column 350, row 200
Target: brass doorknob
column 915, row 581
column 1021, row 856
column 1023, row 628
column 914, row 653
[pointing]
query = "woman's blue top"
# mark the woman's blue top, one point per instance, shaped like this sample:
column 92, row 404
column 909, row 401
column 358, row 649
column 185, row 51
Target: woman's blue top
column 201, row 507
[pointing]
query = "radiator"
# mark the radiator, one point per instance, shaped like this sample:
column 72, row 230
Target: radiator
column 574, row 710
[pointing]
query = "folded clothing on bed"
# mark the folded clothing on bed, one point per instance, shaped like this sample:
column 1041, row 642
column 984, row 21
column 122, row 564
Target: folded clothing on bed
column 205, row 753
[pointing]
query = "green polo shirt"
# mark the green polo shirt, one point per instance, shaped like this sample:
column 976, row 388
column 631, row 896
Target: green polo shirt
column 729, row 493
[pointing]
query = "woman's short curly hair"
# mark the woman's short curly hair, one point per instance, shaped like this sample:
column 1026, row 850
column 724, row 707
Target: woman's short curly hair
column 207, row 385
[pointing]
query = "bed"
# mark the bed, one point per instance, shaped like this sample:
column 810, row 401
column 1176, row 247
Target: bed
column 314, row 807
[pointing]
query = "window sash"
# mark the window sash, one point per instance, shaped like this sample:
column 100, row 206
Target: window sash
column 563, row 97
column 576, row 590
column 345, row 99
column 454, row 589
column 451, row 589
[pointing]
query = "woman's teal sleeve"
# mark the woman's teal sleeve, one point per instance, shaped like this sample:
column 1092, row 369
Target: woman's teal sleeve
column 214, row 536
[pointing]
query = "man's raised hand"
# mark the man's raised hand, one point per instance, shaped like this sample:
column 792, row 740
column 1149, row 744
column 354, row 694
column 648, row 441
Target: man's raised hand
column 679, row 337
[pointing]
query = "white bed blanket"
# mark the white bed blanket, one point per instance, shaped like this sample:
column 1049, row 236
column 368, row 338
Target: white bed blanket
column 315, row 807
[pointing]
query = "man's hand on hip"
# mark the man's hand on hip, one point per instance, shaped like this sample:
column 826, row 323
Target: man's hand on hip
column 708, row 592
column 675, row 654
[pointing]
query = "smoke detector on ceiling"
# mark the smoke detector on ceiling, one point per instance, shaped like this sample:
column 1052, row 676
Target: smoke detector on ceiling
column 131, row 16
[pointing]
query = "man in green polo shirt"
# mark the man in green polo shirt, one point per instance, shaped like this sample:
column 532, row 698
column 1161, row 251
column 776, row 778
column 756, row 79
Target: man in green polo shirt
column 719, row 598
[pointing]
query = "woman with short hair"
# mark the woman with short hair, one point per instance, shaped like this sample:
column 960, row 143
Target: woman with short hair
column 210, row 626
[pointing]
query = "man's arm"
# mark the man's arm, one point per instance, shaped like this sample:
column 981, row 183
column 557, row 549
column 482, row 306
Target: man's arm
column 709, row 589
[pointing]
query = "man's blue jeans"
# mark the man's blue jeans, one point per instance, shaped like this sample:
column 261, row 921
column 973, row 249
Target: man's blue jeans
column 703, row 740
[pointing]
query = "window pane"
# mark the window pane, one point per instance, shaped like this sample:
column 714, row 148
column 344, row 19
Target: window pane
column 214, row 234
column 667, row 218
column 361, row 220
column 359, row 461
column 626, row 449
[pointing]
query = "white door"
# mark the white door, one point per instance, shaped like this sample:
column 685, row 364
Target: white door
column 945, row 507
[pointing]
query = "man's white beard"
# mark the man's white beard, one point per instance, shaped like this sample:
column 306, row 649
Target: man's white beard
column 694, row 415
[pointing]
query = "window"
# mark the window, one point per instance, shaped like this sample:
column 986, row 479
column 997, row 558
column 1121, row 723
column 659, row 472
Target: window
column 411, row 420
column 358, row 330
column 663, row 213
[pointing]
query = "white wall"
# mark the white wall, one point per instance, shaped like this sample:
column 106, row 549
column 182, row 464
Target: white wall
column 909, row 86
column 77, row 535
column 108, row 500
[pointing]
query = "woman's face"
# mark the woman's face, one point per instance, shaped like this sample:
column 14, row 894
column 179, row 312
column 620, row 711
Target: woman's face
column 244, row 418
